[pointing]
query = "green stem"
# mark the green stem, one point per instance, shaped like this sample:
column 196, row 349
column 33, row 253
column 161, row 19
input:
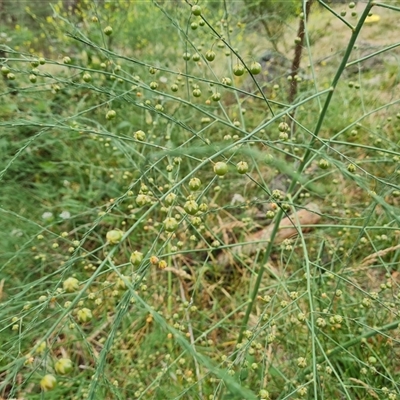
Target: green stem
column 352, row 342
column 335, row 81
column 259, row 277
column 308, row 152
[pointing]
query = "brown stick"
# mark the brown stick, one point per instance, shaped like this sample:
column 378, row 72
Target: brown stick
column 297, row 54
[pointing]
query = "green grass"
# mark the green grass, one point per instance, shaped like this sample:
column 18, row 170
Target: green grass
column 204, row 309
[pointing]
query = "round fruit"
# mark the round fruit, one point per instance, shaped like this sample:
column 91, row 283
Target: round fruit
column 196, row 57
column 111, row 114
column 186, row 56
column 351, row 168
column 170, row 224
column 63, row 366
column 216, row 96
column 194, row 25
column 196, row 10
column 191, row 207
column 136, row 258
column 153, row 85
column 255, row 68
column 323, row 164
column 86, row 77
column 48, row 382
column 220, row 168
column 210, row 55
column 242, row 167
column 194, row 184
column 238, row 70
column 174, row 87
column 196, row 92
column 108, row 30
column 5, row 70
column 32, row 78
column 114, row 236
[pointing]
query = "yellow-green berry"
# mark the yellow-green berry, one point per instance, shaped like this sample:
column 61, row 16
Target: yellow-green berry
column 136, row 258
column 48, row 382
column 194, row 184
column 220, row 168
column 196, row 10
column 63, row 366
column 71, row 285
column 242, row 167
column 111, row 114
column 191, row 207
column 108, row 30
column 84, row 315
column 139, row 135
column 351, row 168
column 114, row 236
column 170, row 224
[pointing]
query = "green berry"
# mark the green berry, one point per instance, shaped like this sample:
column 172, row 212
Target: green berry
column 270, row 214
column 35, row 63
column 196, row 57
column 48, row 382
column 11, row 76
column 216, row 96
column 111, row 114
column 114, row 236
column 351, row 168
column 170, row 198
column 238, row 70
column 174, row 87
column 67, row 60
column 242, row 167
column 191, row 207
column 194, row 184
column 71, row 285
column 139, row 135
column 84, row 315
column 210, row 55
column 186, row 56
column 32, row 78
column 194, row 25
column 63, row 366
column 153, row 85
column 227, row 81
column 142, row 199
column 196, row 92
column 196, row 10
column 323, row 164
column 86, row 77
column 136, row 258
column 5, row 70
column 220, row 168
column 108, row 30
column 170, row 224
column 255, row 68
